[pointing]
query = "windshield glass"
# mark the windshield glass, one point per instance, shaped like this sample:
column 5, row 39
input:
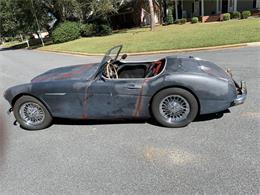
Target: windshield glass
column 112, row 54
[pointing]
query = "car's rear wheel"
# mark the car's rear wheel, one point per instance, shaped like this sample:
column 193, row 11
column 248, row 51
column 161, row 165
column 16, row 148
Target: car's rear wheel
column 31, row 114
column 174, row 107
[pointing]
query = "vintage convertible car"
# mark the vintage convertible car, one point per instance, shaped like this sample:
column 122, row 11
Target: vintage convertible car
column 173, row 90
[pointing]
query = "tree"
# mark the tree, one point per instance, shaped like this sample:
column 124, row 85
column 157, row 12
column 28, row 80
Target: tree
column 27, row 16
column 19, row 17
column 169, row 16
column 164, row 6
column 7, row 21
column 80, row 9
column 152, row 14
column 63, row 9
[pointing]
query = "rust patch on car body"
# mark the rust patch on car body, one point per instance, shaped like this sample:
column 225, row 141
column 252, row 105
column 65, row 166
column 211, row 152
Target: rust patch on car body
column 138, row 105
column 85, row 101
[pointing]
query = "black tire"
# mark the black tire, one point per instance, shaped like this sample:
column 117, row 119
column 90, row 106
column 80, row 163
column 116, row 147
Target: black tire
column 46, row 121
column 186, row 95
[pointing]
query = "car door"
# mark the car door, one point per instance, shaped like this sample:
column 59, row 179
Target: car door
column 127, row 97
column 98, row 101
column 114, row 98
column 117, row 98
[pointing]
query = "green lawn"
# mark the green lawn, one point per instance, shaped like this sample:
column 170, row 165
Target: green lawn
column 169, row 37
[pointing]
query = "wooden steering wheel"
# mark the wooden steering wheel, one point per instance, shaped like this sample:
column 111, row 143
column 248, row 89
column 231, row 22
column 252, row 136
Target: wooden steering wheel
column 111, row 70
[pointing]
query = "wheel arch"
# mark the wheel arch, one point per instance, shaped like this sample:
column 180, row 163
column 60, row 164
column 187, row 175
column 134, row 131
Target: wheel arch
column 176, row 86
column 28, row 94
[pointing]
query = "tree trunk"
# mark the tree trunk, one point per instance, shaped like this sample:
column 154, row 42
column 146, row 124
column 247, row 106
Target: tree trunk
column 21, row 36
column 40, row 37
column 152, row 14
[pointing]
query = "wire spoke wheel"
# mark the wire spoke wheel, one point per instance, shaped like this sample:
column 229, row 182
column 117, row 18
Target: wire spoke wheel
column 32, row 113
column 174, row 108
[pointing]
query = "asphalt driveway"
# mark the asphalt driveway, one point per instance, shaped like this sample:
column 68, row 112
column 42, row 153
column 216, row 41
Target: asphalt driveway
column 214, row 155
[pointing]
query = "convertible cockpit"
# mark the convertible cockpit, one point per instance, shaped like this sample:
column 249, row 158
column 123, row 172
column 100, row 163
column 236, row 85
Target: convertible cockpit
column 132, row 70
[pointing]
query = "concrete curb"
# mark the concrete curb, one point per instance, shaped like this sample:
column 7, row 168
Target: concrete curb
column 253, row 44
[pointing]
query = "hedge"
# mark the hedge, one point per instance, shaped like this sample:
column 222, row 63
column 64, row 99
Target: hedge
column 66, row 31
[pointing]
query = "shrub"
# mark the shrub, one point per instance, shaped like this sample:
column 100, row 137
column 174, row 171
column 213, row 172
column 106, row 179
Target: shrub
column 104, row 29
column 181, row 21
column 226, row 16
column 236, row 15
column 246, row 14
column 87, row 30
column 66, row 31
column 178, row 21
column 194, row 20
column 169, row 16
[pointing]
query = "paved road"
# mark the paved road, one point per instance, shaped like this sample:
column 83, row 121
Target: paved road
column 210, row 156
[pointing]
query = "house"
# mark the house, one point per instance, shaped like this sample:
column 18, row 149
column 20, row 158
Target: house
column 134, row 13
column 203, row 8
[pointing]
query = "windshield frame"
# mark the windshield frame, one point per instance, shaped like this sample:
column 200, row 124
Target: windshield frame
column 108, row 54
column 107, row 58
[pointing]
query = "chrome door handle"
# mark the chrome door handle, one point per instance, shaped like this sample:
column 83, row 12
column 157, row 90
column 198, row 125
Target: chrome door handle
column 133, row 86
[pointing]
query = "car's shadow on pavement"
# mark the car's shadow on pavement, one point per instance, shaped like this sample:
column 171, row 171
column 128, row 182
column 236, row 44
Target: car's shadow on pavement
column 61, row 121
column 152, row 121
column 207, row 117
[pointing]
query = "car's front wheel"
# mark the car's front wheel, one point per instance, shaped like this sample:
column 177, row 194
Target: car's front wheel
column 174, row 107
column 31, row 114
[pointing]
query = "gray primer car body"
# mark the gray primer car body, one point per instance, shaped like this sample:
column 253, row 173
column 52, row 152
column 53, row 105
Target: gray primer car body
column 81, row 92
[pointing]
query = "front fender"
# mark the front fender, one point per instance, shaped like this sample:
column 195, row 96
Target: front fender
column 12, row 92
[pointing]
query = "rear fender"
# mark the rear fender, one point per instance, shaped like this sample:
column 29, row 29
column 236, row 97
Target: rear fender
column 213, row 94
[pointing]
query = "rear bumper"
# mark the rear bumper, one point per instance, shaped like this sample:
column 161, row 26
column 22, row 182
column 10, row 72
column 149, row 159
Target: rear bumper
column 241, row 95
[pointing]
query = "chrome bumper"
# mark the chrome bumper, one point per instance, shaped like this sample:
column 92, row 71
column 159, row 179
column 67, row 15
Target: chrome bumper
column 242, row 94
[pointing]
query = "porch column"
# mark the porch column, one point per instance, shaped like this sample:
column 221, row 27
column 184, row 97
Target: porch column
column 176, row 9
column 217, row 6
column 235, row 5
column 202, row 7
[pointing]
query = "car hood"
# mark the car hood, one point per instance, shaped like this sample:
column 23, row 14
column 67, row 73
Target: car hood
column 76, row 72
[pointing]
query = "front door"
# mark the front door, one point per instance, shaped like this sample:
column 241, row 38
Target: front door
column 224, row 6
column 98, row 101
column 113, row 98
column 179, row 8
column 126, row 97
column 196, row 8
column 254, row 3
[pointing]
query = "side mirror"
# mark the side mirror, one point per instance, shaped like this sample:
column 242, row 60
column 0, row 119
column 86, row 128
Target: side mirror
column 124, row 56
